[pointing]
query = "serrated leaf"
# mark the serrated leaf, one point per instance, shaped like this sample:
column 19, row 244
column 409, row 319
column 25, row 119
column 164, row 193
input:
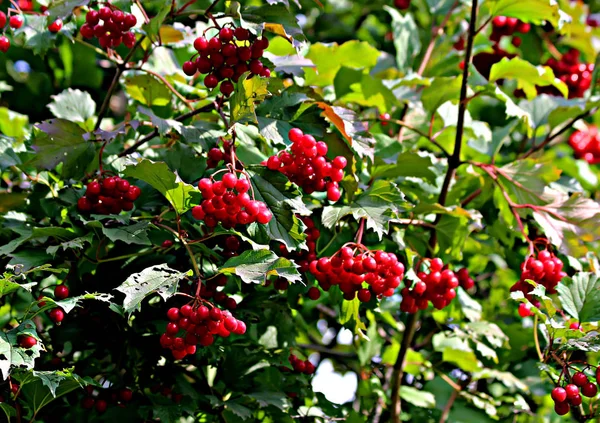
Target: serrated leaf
column 276, row 399
column 132, row 234
column 276, row 19
column 247, row 93
column 63, row 8
column 73, row 105
column 61, row 141
column 182, row 196
column 534, row 11
column 255, row 266
column 159, row 279
column 528, row 76
column 417, row 397
column 285, row 201
column 407, row 164
column 148, row 90
column 580, row 296
column 349, row 312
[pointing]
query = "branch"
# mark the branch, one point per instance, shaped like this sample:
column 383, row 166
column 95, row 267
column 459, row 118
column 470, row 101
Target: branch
column 398, row 371
column 154, row 133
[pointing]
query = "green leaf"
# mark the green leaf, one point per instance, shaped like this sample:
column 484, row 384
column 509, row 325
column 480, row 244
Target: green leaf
column 64, row 8
column 132, row 234
column 589, row 343
column 350, row 312
column 457, row 351
column 7, row 286
column 285, row 201
column 160, row 279
column 247, row 93
column 276, row 399
column 255, row 266
column 407, row 164
column 61, row 141
column 12, row 124
column 276, row 19
column 534, row 11
column 580, row 296
column 75, row 244
column 527, row 179
column 527, row 76
column 377, row 205
column 182, row 196
column 148, row 90
column 329, row 58
column 12, row 355
column 417, row 397
column 406, row 38
column 73, row 105
column 440, row 91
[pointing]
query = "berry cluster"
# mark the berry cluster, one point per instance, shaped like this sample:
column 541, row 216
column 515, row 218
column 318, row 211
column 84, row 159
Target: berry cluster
column 307, row 165
column 111, row 26
column 216, row 155
column 577, row 75
column 227, row 201
column 484, row 61
column 465, row 281
column 57, row 314
column 586, row 144
column 301, row 366
column 15, row 22
column 438, row 286
column 108, row 196
column 505, row 26
column 199, row 325
column 571, row 394
column 304, row 257
column 546, row 270
column 97, row 400
column 354, row 264
column 167, row 392
column 224, row 59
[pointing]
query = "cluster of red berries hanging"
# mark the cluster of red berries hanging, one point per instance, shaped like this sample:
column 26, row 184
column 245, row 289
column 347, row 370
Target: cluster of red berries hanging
column 197, row 325
column 306, row 165
column 586, row 144
column 503, row 26
column 437, row 286
column 354, row 264
column 216, row 155
column 570, row 395
column 465, row 281
column 57, row 314
column 110, row 26
column 226, row 57
column 100, row 401
column 545, row 269
column 301, row 366
column 210, row 290
column 15, row 22
column 303, row 258
column 227, row 202
column 109, row 195
column 577, row 75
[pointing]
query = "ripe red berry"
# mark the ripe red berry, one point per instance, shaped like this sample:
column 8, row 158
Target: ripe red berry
column 559, row 394
column 525, row 310
column 226, row 34
column 101, row 406
column 561, row 408
column 227, row 88
column 589, row 390
column 56, row 315
column 579, row 379
column 166, row 243
column 3, row 19
column 88, row 402
column 572, row 390
column 189, row 68
column 314, row 293
column 27, row 341
column 61, row 292
column 173, row 314
column 242, row 34
column 575, row 401
column 4, row 44
column 16, row 21
column 211, row 81
column 402, row 4
column 126, row 395
column 55, row 26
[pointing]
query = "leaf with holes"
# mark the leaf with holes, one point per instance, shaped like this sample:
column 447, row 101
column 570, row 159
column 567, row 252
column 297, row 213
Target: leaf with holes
column 580, row 296
column 255, row 266
column 160, row 279
column 12, row 355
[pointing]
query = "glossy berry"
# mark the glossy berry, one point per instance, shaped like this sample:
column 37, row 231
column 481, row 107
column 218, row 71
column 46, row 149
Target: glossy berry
column 572, row 390
column 56, row 315
column 88, row 403
column 559, row 394
column 3, row 19
column 167, row 243
column 61, row 292
column 27, row 341
column 579, row 379
column 55, row 26
column 589, row 390
column 314, row 293
column 436, row 286
column 110, row 195
column 525, row 310
column 125, row 395
column 586, row 144
column 16, row 21
column 544, row 269
column 4, row 44
column 101, row 406
column 402, row 4
column 189, row 68
column 561, row 408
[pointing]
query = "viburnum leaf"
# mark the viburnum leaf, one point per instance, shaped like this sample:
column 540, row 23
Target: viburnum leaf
column 534, row 11
column 569, row 222
column 255, row 266
column 417, row 397
column 7, row 286
column 248, row 92
column 580, row 296
column 441, row 90
column 12, row 355
column 377, row 205
column 350, row 312
column 406, row 164
column 73, row 105
column 131, row 234
column 182, row 196
column 148, row 90
column 64, row 8
column 352, row 129
column 70, row 303
column 62, row 141
column 588, row 343
column 285, row 201
column 276, row 19
column 406, row 37
column 528, row 76
column 527, row 179
column 159, row 279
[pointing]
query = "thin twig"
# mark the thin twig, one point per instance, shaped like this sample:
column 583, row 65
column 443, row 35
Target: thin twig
column 169, row 86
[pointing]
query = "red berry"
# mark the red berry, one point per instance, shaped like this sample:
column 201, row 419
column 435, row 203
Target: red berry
column 211, row 81
column 166, row 243
column 226, row 88
column 27, row 341
column 572, row 390
column 61, row 292
column 125, row 394
column 525, row 310
column 189, row 68
column 559, row 394
column 16, row 21
column 101, row 406
column 314, row 293
column 561, row 408
column 173, row 314
column 241, row 34
column 56, row 315
column 226, row 34
column 4, row 44
column 55, row 26
column 579, row 379
column 589, row 390
column 88, row 402
column 3, row 19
